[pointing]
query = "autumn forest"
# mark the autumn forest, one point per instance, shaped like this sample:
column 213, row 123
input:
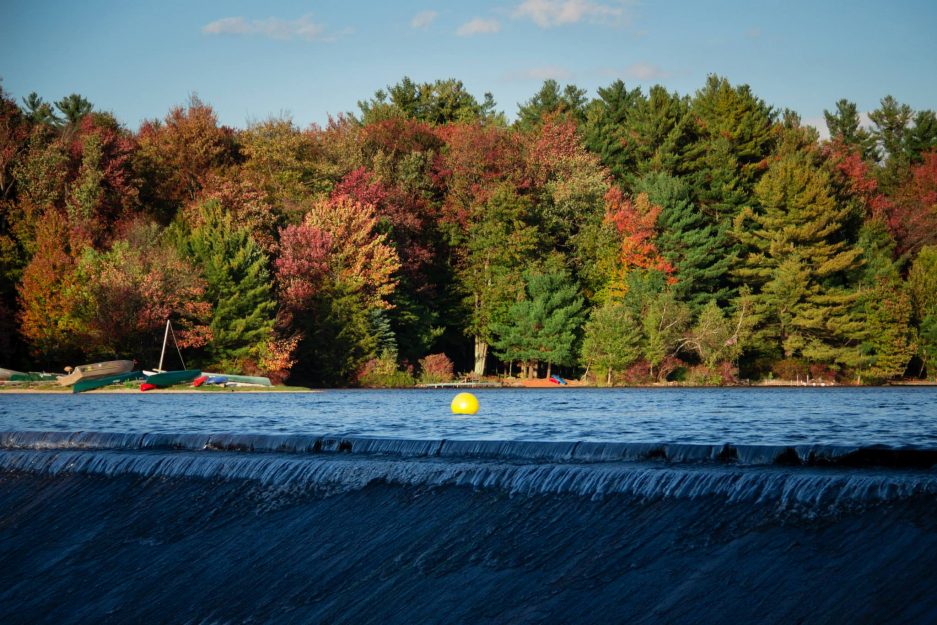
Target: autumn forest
column 640, row 236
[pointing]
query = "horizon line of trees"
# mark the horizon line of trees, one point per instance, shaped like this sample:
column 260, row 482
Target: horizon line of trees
column 635, row 236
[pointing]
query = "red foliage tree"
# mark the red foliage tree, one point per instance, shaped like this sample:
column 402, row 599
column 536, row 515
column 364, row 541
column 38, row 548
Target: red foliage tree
column 914, row 218
column 408, row 215
column 636, row 222
column 177, row 156
column 476, row 160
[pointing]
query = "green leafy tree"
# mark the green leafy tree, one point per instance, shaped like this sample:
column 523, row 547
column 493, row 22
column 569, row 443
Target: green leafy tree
column 499, row 245
column 238, row 286
column 665, row 319
column 922, row 283
column 613, row 339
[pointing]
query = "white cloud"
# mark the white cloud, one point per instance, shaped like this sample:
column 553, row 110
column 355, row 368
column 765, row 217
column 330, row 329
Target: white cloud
column 478, row 26
column 645, row 71
column 550, row 13
column 540, row 73
column 423, row 19
column 272, row 28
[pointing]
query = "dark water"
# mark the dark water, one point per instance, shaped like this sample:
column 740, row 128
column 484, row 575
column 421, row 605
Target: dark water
column 671, row 506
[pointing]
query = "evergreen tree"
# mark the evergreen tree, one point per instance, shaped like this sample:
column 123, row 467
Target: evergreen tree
column 884, row 333
column 604, row 130
column 657, row 135
column 543, row 326
column 891, row 130
column 39, row 111
column 844, row 125
column 699, row 250
column 569, row 103
column 922, row 137
column 239, row 286
column 73, row 107
column 795, row 260
column 734, row 136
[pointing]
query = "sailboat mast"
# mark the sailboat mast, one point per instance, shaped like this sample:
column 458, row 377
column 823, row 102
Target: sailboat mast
column 163, row 353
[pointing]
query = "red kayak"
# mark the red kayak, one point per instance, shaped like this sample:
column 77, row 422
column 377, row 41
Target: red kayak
column 146, row 386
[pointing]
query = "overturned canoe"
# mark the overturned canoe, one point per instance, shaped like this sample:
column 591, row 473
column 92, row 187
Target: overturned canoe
column 6, row 374
column 34, row 376
column 96, row 370
column 244, row 379
column 87, row 385
column 168, row 378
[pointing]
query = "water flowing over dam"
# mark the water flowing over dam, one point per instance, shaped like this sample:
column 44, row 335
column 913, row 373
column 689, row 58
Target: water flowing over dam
column 232, row 528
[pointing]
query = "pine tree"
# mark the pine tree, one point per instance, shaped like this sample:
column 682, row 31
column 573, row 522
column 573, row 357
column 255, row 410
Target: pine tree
column 844, row 126
column 795, row 260
column 569, row 103
column 699, row 250
column 885, row 336
column 543, row 326
column 606, row 119
column 657, row 135
column 239, row 286
column 734, row 136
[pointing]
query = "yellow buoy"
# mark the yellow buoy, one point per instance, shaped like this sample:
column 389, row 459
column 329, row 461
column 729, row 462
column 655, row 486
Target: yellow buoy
column 464, row 403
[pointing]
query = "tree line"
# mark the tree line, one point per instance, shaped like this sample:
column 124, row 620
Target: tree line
column 633, row 237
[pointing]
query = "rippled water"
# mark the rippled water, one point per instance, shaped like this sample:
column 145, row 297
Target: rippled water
column 839, row 416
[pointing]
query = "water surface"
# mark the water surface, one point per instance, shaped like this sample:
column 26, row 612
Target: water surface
column 899, row 416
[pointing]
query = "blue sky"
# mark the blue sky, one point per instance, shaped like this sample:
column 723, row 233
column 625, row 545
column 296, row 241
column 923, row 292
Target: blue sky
column 250, row 60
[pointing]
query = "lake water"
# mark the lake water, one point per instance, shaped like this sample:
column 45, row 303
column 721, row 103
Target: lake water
column 900, row 416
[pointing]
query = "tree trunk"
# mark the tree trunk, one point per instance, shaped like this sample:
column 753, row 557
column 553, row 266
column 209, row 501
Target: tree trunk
column 549, row 369
column 481, row 354
column 608, row 379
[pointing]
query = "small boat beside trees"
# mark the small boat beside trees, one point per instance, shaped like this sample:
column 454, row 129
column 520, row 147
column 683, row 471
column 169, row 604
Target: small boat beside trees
column 161, row 378
column 96, row 371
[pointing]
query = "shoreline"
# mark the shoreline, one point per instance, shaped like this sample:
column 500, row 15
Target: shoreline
column 26, row 390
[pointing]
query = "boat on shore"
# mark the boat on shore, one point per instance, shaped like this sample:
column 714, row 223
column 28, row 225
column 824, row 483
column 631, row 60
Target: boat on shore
column 255, row 380
column 7, row 374
column 88, row 385
column 95, row 371
column 169, row 378
column 160, row 378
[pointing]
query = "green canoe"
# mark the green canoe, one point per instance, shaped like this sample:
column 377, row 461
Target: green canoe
column 87, row 385
column 33, row 376
column 168, row 378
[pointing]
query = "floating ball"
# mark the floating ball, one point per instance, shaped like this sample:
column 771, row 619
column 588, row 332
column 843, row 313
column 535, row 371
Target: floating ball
column 464, row 403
